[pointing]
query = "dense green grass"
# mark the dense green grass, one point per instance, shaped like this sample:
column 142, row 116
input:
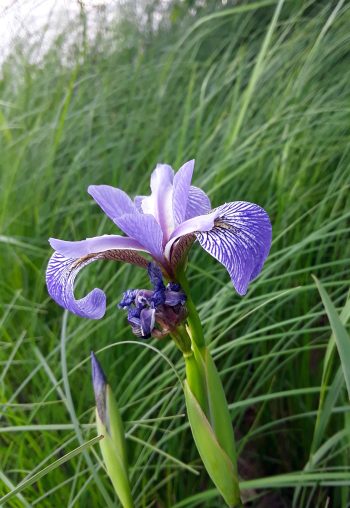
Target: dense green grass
column 261, row 99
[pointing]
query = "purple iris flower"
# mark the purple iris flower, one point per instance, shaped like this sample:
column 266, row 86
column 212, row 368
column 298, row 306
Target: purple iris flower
column 163, row 226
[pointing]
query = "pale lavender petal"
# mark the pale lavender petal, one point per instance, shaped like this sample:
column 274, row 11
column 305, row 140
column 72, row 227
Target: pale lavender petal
column 114, row 202
column 159, row 203
column 240, row 240
column 182, row 184
column 144, row 229
column 60, row 276
column 138, row 203
column 93, row 245
column 200, row 223
column 198, row 203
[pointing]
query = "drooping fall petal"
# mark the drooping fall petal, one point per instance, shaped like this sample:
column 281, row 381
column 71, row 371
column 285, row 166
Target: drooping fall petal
column 71, row 257
column 240, row 240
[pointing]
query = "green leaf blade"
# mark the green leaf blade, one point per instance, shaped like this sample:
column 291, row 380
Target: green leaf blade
column 341, row 336
column 217, row 463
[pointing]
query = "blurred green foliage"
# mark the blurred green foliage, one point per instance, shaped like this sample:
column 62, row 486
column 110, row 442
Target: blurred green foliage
column 264, row 108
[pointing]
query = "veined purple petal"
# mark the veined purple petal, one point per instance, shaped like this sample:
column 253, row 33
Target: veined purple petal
column 182, row 184
column 159, row 203
column 62, row 271
column 145, row 230
column 240, row 240
column 114, row 202
column 93, row 245
column 60, row 276
column 141, row 228
column 198, row 203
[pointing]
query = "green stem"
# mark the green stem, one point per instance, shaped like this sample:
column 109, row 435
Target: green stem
column 194, row 371
column 194, row 322
column 204, row 383
column 196, row 382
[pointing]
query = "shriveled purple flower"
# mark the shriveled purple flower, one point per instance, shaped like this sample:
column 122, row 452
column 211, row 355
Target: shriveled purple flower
column 164, row 226
column 154, row 312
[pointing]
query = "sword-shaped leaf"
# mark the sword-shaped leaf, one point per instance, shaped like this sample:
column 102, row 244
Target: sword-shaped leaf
column 217, row 463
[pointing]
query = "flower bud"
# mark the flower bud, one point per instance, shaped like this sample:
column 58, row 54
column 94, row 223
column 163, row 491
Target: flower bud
column 110, row 425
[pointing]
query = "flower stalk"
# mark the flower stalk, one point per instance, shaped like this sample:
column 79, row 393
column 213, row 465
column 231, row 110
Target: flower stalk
column 113, row 445
column 208, row 412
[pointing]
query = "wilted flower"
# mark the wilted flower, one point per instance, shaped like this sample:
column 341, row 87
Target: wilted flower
column 162, row 225
column 156, row 312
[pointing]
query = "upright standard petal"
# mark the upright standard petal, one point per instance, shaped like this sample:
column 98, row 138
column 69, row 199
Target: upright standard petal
column 159, row 203
column 240, row 240
column 71, row 257
column 181, row 189
column 198, row 203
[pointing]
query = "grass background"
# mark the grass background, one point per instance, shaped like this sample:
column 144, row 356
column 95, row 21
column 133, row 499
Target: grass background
column 259, row 94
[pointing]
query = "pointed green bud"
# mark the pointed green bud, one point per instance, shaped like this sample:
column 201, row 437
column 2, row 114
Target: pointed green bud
column 99, row 383
column 110, row 425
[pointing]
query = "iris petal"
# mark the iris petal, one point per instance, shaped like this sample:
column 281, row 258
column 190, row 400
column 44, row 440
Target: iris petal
column 198, row 203
column 65, row 265
column 60, row 275
column 114, row 202
column 180, row 249
column 182, row 185
column 200, row 223
column 159, row 203
column 145, row 230
column 138, row 203
column 240, row 240
column 142, row 228
column 93, row 245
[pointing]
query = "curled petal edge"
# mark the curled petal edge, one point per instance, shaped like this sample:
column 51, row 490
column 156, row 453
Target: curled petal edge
column 61, row 274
